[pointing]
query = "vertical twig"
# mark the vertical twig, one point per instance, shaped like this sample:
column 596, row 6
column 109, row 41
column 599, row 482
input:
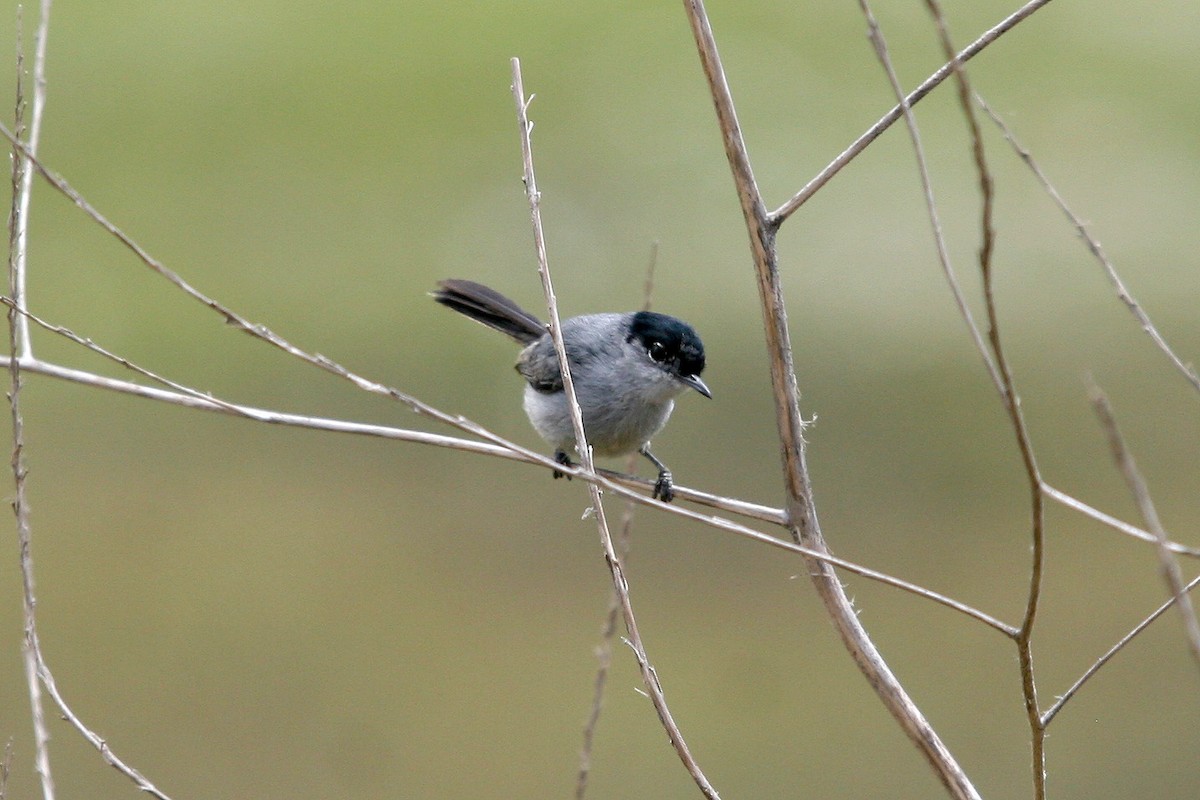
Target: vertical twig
column 37, row 672
column 881, row 51
column 1145, row 503
column 620, row 585
column 609, row 630
column 20, row 504
column 803, row 522
column 23, row 347
column 5, row 768
column 1012, row 406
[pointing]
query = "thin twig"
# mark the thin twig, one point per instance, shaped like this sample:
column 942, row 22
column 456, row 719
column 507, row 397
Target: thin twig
column 871, row 134
column 231, row 317
column 497, row 447
column 20, row 504
column 265, row 334
column 1012, row 405
column 1094, row 247
column 881, row 50
column 5, row 768
column 24, row 346
column 1112, row 522
column 620, row 584
column 609, row 630
column 604, row 662
column 804, row 525
column 92, row 737
column 627, row 486
column 1145, row 503
column 70, row 335
column 622, row 483
column 1053, row 710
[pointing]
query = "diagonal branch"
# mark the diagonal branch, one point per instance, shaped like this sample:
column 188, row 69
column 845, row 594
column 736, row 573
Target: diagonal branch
column 616, row 569
column 1095, row 248
column 943, row 253
column 1053, row 710
column 1145, row 503
column 802, row 514
column 886, row 121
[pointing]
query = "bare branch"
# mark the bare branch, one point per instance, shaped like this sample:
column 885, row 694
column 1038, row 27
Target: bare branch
column 24, row 347
column 609, row 629
column 628, row 486
column 1112, row 522
column 960, row 300
column 20, row 505
column 1141, row 496
column 1052, row 712
column 886, row 121
column 496, row 447
column 93, row 738
column 804, row 525
column 1012, row 405
column 265, row 334
column 5, row 768
column 1094, row 247
column 620, row 584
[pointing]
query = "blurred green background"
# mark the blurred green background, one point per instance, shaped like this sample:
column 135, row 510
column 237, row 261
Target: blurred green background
column 244, row 610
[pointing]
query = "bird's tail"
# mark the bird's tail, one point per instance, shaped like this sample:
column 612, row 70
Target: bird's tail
column 489, row 307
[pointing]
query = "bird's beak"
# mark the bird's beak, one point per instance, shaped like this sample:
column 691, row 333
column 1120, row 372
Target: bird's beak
column 697, row 384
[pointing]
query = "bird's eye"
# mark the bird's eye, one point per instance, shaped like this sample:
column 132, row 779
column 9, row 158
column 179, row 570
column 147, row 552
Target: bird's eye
column 658, row 352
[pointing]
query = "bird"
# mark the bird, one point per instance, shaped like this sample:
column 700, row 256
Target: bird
column 627, row 369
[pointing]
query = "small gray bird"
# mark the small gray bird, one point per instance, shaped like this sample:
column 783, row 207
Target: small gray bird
column 627, row 370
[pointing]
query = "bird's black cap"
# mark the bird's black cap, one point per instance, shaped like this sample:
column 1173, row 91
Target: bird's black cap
column 669, row 341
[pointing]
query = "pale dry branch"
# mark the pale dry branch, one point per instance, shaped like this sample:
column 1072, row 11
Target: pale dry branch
column 5, row 768
column 88, row 344
column 616, row 569
column 262, row 332
column 804, row 525
column 630, row 487
column 603, row 653
column 609, row 630
column 20, row 505
column 94, row 739
column 1145, row 503
column 799, row 515
column 500, row 447
column 928, row 85
column 1116, row 524
column 1012, row 405
column 37, row 672
column 1053, row 710
column 24, row 193
column 881, row 50
column 1094, row 247
column 231, row 317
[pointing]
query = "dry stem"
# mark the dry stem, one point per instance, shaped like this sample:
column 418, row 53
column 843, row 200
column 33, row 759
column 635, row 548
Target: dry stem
column 802, row 514
column 616, row 569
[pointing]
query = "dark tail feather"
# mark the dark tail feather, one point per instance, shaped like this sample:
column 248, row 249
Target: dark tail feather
column 489, row 307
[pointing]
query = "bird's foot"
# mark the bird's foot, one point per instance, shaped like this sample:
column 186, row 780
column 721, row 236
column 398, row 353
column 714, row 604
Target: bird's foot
column 561, row 458
column 664, row 488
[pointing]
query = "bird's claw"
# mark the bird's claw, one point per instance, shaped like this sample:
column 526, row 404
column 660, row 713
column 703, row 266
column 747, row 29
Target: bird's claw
column 561, row 458
column 664, row 488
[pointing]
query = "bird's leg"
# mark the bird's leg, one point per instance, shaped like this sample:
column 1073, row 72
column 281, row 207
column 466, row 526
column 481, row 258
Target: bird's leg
column 561, row 457
column 663, row 488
